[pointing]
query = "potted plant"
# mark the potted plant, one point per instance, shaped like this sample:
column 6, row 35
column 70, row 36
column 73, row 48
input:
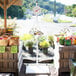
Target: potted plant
column 51, row 41
column 30, row 44
column 62, row 40
column 41, row 39
column 68, row 41
column 25, row 38
column 44, row 45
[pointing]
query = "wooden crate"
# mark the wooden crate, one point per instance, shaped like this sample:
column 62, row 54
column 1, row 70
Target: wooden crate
column 8, row 49
column 64, row 74
column 8, row 62
column 64, row 70
column 64, row 63
column 66, row 53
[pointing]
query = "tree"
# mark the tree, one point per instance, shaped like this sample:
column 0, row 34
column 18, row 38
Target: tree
column 74, row 12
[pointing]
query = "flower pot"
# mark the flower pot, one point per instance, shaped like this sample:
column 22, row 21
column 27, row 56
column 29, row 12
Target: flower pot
column 68, row 42
column 45, row 51
column 30, row 49
column 23, row 47
column 61, row 41
column 39, row 47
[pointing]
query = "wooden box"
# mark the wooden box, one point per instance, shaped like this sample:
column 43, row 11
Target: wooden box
column 66, row 53
column 64, row 63
column 9, row 62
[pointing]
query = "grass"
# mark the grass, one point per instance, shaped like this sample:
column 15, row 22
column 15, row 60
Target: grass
column 47, row 18
column 64, row 21
column 73, row 25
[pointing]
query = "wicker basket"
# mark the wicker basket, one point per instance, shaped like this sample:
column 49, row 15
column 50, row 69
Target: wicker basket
column 3, row 42
column 14, row 41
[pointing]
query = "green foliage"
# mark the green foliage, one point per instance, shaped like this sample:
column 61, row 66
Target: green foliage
column 61, row 40
column 28, row 16
column 44, row 10
column 47, row 18
column 74, row 12
column 73, row 25
column 44, row 44
column 26, row 37
column 64, row 21
column 71, row 10
column 29, row 43
column 15, row 11
column 42, row 38
column 51, row 41
column 50, row 38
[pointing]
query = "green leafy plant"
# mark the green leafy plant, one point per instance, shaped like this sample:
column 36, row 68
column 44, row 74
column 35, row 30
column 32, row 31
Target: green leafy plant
column 42, row 38
column 51, row 38
column 47, row 18
column 73, row 25
column 64, row 21
column 61, row 40
column 44, row 44
column 26, row 37
column 51, row 41
column 29, row 43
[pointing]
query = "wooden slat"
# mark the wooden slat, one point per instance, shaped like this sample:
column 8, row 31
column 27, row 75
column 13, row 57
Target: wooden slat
column 15, row 65
column 8, row 60
column 5, row 65
column 1, row 6
column 15, row 56
column 11, row 3
column 19, row 3
column 1, row 64
column 11, row 65
column 10, row 56
column 0, row 55
column 5, row 56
